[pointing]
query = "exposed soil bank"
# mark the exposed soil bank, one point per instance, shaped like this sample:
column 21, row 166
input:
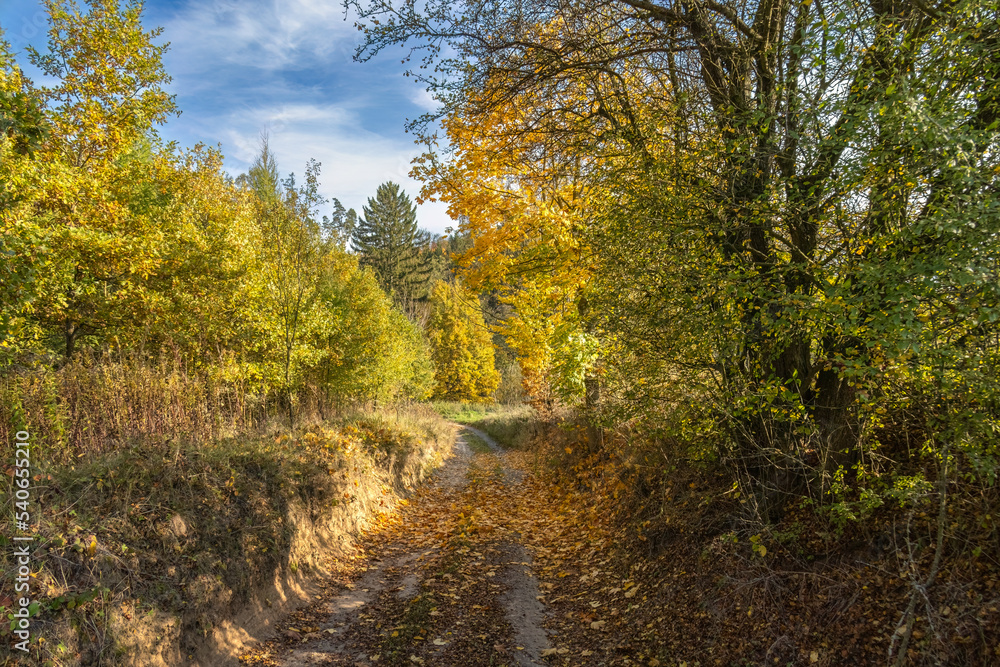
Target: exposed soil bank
column 196, row 552
column 445, row 582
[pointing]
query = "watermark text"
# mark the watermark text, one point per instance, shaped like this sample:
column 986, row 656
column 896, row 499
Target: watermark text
column 20, row 623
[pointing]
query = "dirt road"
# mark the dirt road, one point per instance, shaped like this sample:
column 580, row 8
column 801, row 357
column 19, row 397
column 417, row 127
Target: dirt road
column 450, row 582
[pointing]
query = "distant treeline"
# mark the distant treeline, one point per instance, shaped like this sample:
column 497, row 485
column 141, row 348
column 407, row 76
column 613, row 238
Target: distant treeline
column 117, row 247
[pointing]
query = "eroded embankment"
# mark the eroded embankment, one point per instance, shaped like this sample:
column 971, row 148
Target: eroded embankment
column 532, row 560
column 167, row 554
column 444, row 581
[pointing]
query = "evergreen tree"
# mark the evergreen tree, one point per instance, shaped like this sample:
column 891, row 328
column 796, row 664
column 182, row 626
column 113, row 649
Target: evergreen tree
column 389, row 241
column 262, row 177
column 339, row 226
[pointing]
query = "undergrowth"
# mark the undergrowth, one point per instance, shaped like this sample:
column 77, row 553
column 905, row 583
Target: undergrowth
column 805, row 585
column 184, row 529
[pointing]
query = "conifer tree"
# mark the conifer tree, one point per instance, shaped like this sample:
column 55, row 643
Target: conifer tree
column 389, row 241
column 339, row 226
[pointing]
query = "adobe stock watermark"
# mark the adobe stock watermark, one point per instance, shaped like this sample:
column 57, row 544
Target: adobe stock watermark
column 23, row 607
column 36, row 26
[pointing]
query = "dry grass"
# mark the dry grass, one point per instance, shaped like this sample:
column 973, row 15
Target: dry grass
column 94, row 405
column 167, row 496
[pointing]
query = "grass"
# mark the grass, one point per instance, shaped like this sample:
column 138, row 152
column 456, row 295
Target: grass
column 188, row 528
column 512, row 426
column 476, row 444
column 463, row 412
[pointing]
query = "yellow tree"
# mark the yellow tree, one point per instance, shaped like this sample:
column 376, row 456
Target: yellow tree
column 22, row 128
column 461, row 346
column 526, row 216
column 103, row 106
column 198, row 297
column 829, row 172
column 289, row 262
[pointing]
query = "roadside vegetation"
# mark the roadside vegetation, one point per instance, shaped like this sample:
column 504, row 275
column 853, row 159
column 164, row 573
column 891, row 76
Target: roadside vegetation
column 725, row 284
column 512, row 426
column 752, row 246
column 143, row 551
column 217, row 372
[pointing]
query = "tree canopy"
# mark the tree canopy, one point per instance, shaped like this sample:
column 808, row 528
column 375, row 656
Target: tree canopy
column 783, row 212
column 114, row 241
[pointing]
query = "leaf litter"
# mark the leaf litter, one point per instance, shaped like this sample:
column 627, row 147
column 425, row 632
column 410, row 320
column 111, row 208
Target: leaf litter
column 495, row 563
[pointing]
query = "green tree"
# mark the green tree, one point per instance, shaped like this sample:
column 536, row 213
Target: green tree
column 462, row 346
column 289, row 260
column 389, row 241
column 370, row 349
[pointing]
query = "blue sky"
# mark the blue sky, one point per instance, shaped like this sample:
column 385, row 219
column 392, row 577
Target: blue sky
column 242, row 67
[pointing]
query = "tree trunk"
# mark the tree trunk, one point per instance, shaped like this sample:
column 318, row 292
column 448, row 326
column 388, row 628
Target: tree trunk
column 591, row 385
column 71, row 330
column 592, row 399
column 288, row 387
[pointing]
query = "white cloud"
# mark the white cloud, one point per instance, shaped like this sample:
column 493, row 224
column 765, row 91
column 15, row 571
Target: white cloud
column 268, row 36
column 422, row 98
column 355, row 161
column 286, row 68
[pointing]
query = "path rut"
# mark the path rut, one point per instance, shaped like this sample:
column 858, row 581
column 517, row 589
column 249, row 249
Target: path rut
column 451, row 584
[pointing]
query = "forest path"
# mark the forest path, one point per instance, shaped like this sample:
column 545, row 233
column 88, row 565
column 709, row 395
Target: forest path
column 446, row 581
